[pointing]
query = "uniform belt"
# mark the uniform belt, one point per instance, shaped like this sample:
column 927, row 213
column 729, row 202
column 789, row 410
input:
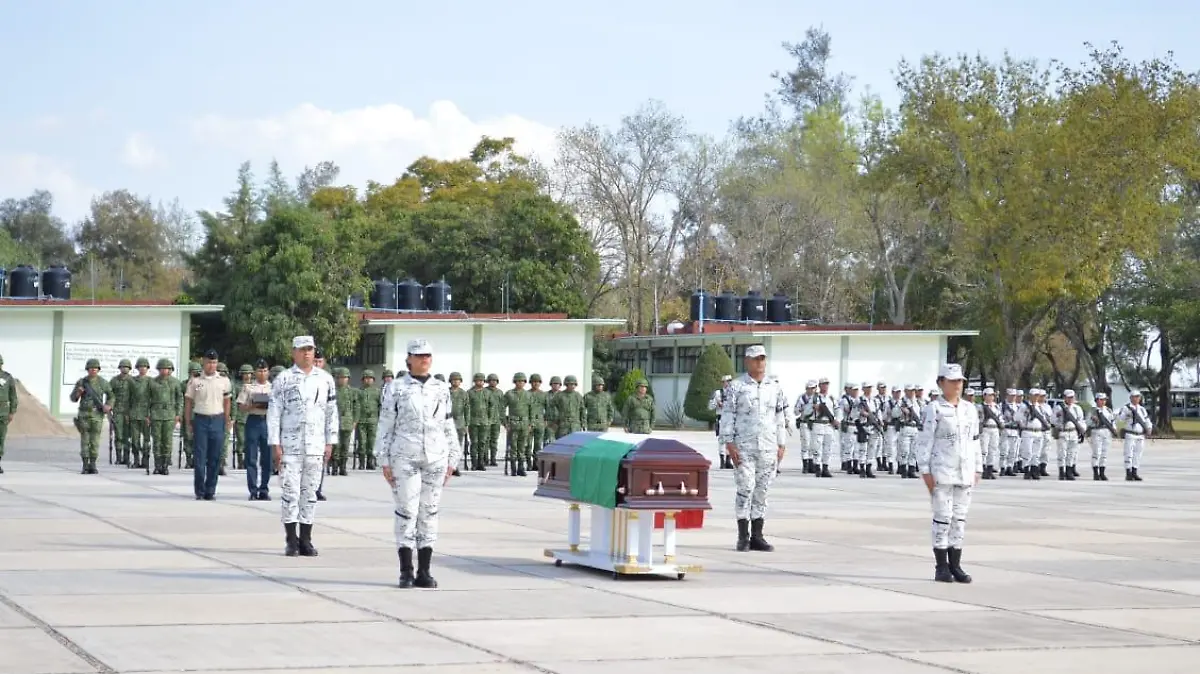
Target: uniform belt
column 208, row 416
column 991, row 424
column 1129, row 432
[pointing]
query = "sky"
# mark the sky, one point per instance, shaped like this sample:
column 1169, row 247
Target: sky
column 166, row 99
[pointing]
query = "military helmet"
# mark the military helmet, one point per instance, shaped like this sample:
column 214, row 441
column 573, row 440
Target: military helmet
column 342, row 372
column 388, row 373
column 193, row 366
column 402, row 373
column 143, row 362
column 455, row 375
column 478, row 377
column 368, row 374
column 596, row 381
column 222, row 368
column 92, row 363
column 492, row 377
column 520, row 376
column 535, row 377
column 124, row 363
column 276, row 370
column 246, row 368
column 440, row 377
column 571, row 380
column 643, row 382
column 555, row 380
column 164, row 364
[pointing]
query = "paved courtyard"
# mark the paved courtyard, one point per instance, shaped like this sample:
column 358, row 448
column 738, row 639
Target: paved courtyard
column 124, row 572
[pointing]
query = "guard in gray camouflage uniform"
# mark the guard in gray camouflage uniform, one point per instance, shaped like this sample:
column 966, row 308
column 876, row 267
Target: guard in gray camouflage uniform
column 417, row 446
column 754, row 430
column 302, row 427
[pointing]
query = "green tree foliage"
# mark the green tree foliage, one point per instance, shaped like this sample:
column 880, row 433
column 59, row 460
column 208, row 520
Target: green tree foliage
column 711, row 366
column 30, row 223
column 628, row 387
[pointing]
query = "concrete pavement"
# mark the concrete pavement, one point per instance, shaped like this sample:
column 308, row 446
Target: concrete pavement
column 124, row 572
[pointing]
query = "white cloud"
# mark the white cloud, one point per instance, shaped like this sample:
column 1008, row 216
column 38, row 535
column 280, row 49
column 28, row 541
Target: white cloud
column 371, row 143
column 21, row 174
column 139, row 152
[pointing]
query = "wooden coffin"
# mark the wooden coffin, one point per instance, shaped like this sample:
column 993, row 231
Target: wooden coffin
column 655, row 474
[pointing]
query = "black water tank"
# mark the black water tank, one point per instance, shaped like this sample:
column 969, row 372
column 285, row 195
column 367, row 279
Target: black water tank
column 437, row 296
column 779, row 309
column 754, row 307
column 410, row 295
column 726, row 307
column 56, row 282
column 383, row 295
column 23, row 283
column 702, row 300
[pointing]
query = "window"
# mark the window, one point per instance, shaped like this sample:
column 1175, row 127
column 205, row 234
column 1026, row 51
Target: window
column 643, row 360
column 688, row 355
column 370, row 351
column 739, row 358
column 662, row 360
column 625, row 359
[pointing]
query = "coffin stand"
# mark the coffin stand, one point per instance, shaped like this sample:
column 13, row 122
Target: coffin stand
column 656, row 478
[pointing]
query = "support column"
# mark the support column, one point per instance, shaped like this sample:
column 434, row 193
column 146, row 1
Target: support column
column 573, row 526
column 631, row 536
column 589, row 341
column 476, row 350
column 391, row 354
column 56, row 364
column 185, row 341
column 843, row 366
column 669, row 538
column 645, row 530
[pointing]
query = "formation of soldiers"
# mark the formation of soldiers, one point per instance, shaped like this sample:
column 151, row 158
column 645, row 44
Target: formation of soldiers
column 872, row 430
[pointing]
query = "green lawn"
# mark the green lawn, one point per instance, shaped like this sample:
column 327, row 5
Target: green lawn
column 1186, row 428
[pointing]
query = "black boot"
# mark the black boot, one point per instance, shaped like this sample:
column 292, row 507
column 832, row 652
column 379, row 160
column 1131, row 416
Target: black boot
column 1136, row 477
column 757, row 542
column 1129, row 475
column 1074, row 471
column 914, row 472
column 423, row 579
column 293, row 542
column 1103, row 476
column 956, row 571
column 1028, row 474
column 1042, row 470
column 406, row 568
column 721, row 461
column 867, row 473
column 520, row 467
column 1062, row 473
column 891, row 468
column 87, row 470
column 825, row 471
column 306, row 546
column 743, row 541
column 941, row 572
column 1071, row 473
column 1095, row 473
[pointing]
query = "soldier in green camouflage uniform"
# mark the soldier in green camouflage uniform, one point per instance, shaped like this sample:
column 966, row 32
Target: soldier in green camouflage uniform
column 551, row 431
column 494, row 419
column 517, row 415
column 462, row 419
column 639, row 410
column 185, row 438
column 166, row 409
column 275, row 372
column 479, row 410
column 245, row 376
column 538, row 402
column 368, row 421
column 120, row 386
column 8, row 405
column 348, row 406
column 94, row 396
column 568, row 409
column 597, row 407
column 384, row 381
column 223, row 370
column 139, row 414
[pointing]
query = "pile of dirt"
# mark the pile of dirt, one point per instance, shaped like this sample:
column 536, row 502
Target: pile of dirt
column 33, row 420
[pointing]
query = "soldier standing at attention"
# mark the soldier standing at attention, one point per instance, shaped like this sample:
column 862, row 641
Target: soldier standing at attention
column 1137, row 426
column 551, row 431
column 639, row 410
column 418, row 449
column 253, row 400
column 8, row 405
column 185, row 431
column 538, row 403
column 568, row 408
column 139, row 415
column 223, row 370
column 347, row 402
column 804, row 424
column 120, row 386
column 462, row 419
column 479, row 404
column 368, row 419
column 1102, row 427
column 755, row 430
column 516, row 425
column 166, row 411
column 1068, row 418
column 206, row 411
column 950, row 459
column 825, row 419
column 245, row 376
column 302, row 427
column 598, row 407
column 94, row 396
column 388, row 377
column 494, row 421
column 716, row 403
column 991, row 420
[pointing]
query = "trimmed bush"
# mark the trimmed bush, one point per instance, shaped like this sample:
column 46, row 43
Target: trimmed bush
column 712, row 364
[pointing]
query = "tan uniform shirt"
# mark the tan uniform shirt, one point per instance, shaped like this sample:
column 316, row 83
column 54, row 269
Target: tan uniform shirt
column 208, row 394
column 250, row 389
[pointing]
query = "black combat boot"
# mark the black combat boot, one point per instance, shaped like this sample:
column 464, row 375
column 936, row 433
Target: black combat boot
column 757, row 542
column 825, row 471
column 867, row 472
column 941, row 572
column 520, row 467
column 1095, row 473
column 423, row 579
column 1103, row 476
column 914, row 472
column 1129, row 475
column 1062, row 473
column 1042, row 470
column 1136, row 477
column 1019, row 467
column 1071, row 473
column 845, row 466
column 956, row 571
column 406, row 568
column 1028, row 474
column 891, row 468
column 306, row 546
column 293, row 542
column 743, row 541
column 721, row 461
column 1074, row 471
column 86, row 470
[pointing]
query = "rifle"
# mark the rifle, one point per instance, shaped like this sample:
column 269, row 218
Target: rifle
column 989, row 413
column 1106, row 422
column 872, row 418
column 90, row 393
column 1037, row 414
column 1070, row 419
column 1137, row 419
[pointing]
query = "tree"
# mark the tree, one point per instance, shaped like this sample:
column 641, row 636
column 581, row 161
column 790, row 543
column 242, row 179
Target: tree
column 809, row 85
column 628, row 387
column 130, row 247
column 711, row 366
column 30, row 223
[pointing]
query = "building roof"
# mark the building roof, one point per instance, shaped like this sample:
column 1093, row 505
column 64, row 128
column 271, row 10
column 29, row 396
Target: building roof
column 8, row 303
column 462, row 317
column 693, row 330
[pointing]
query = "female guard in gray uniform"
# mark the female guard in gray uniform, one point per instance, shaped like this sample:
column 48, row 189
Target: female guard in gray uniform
column 950, row 459
column 417, row 446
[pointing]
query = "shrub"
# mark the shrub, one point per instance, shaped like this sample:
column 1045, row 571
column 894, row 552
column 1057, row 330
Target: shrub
column 673, row 416
column 712, row 364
